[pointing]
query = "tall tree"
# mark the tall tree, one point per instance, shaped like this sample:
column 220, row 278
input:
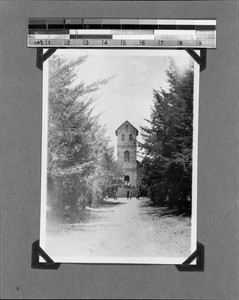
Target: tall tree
column 168, row 139
column 76, row 140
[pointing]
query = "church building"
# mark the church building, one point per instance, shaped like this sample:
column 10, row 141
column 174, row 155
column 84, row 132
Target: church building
column 127, row 157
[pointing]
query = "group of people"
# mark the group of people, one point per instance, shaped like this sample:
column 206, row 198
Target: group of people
column 128, row 195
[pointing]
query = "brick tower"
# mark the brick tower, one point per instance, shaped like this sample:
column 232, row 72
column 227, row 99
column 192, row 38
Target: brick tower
column 127, row 157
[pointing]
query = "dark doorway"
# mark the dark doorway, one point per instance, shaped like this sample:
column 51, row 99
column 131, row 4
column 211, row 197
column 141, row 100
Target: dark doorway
column 126, row 178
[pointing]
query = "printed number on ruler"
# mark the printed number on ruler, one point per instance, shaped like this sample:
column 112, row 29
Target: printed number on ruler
column 198, row 43
column 180, row 43
column 68, row 42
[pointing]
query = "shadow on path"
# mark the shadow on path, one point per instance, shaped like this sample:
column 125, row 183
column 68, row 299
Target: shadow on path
column 164, row 210
column 108, row 203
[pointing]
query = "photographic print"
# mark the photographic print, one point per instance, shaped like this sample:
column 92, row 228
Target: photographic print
column 119, row 156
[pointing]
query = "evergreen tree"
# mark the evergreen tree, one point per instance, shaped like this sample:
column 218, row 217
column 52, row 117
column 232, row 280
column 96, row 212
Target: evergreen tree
column 168, row 140
column 76, row 140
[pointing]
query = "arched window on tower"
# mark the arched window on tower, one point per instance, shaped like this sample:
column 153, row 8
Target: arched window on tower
column 131, row 137
column 126, row 156
column 122, row 137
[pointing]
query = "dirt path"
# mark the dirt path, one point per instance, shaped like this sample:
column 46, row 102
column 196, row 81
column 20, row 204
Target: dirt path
column 128, row 228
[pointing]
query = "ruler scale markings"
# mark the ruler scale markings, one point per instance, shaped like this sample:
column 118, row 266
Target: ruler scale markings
column 129, row 24
column 73, row 36
column 108, row 31
column 49, row 36
column 122, row 21
column 129, row 21
column 74, row 21
column 148, row 26
column 79, row 32
column 56, row 42
column 208, row 34
column 167, row 43
column 92, row 26
column 131, row 37
column 78, row 43
column 111, row 43
column 165, row 21
column 167, row 27
column 37, row 21
column 185, row 22
column 150, row 43
column 110, row 21
column 92, row 23
column 132, row 32
column 91, row 36
column 186, row 43
column 205, row 22
column 74, row 26
column 114, row 43
column 111, row 24
column 91, row 42
column 50, row 31
column 205, row 27
column 55, row 21
column 91, row 31
column 148, row 21
column 129, row 43
column 37, row 26
column 56, row 26
column 174, row 32
column 185, row 27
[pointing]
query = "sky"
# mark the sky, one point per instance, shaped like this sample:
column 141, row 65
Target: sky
column 129, row 93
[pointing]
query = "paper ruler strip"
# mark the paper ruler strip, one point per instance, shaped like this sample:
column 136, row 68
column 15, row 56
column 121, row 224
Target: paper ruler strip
column 121, row 33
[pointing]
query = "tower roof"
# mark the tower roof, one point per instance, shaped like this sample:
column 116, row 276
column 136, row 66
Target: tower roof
column 126, row 122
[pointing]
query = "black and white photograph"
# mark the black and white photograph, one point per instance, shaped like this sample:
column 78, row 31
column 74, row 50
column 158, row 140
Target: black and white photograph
column 119, row 144
column 119, row 156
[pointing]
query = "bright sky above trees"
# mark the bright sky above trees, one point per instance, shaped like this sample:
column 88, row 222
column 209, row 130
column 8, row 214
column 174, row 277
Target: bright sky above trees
column 129, row 94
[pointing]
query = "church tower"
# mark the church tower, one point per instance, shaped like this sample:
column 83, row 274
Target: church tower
column 127, row 156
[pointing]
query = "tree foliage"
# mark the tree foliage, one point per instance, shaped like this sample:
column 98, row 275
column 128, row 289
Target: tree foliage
column 78, row 149
column 168, row 140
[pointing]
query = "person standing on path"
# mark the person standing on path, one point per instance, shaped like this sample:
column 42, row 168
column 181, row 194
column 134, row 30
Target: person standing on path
column 138, row 194
column 127, row 194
